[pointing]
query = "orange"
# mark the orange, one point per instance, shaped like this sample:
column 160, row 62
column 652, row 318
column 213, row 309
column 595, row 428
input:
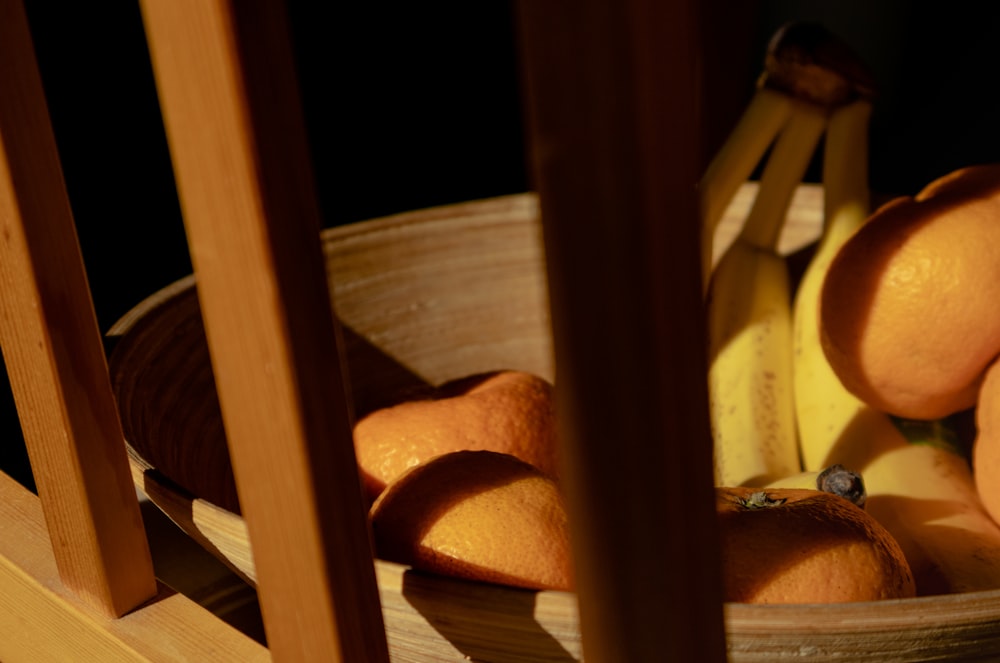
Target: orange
column 986, row 447
column 909, row 317
column 479, row 515
column 792, row 545
column 506, row 411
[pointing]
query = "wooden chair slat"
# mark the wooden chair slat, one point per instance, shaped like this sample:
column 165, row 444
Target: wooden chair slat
column 227, row 88
column 54, row 352
column 612, row 91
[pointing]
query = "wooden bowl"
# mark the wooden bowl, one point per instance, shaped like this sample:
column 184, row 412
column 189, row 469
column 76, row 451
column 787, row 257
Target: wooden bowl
column 424, row 297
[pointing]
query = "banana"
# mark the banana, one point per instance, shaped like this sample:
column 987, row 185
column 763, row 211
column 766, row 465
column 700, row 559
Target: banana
column 750, row 327
column 807, row 73
column 750, row 390
column 804, row 62
column 823, row 407
column 835, row 479
column 732, row 165
column 920, row 487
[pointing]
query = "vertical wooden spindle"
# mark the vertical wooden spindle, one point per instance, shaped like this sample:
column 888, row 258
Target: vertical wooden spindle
column 613, row 88
column 54, row 355
column 228, row 92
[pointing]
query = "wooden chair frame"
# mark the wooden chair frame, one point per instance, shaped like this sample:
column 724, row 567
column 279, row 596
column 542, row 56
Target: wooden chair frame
column 614, row 131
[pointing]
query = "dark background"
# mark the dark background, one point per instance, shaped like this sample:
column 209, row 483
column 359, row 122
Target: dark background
column 410, row 105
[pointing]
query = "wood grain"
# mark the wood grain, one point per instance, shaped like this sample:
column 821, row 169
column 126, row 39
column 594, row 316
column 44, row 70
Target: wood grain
column 227, row 88
column 54, row 354
column 613, row 99
column 42, row 621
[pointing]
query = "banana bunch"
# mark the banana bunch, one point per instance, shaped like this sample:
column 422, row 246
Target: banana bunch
column 780, row 417
column 748, row 293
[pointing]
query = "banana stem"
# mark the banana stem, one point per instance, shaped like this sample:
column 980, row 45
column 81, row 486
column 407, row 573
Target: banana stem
column 732, row 165
column 839, row 480
column 835, row 479
column 785, row 168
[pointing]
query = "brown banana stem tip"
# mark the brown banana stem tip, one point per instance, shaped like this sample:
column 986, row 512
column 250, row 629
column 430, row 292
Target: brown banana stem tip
column 839, row 480
column 808, row 62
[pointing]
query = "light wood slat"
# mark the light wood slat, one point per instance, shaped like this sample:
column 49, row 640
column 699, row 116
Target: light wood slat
column 54, row 354
column 234, row 125
column 612, row 92
column 41, row 620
